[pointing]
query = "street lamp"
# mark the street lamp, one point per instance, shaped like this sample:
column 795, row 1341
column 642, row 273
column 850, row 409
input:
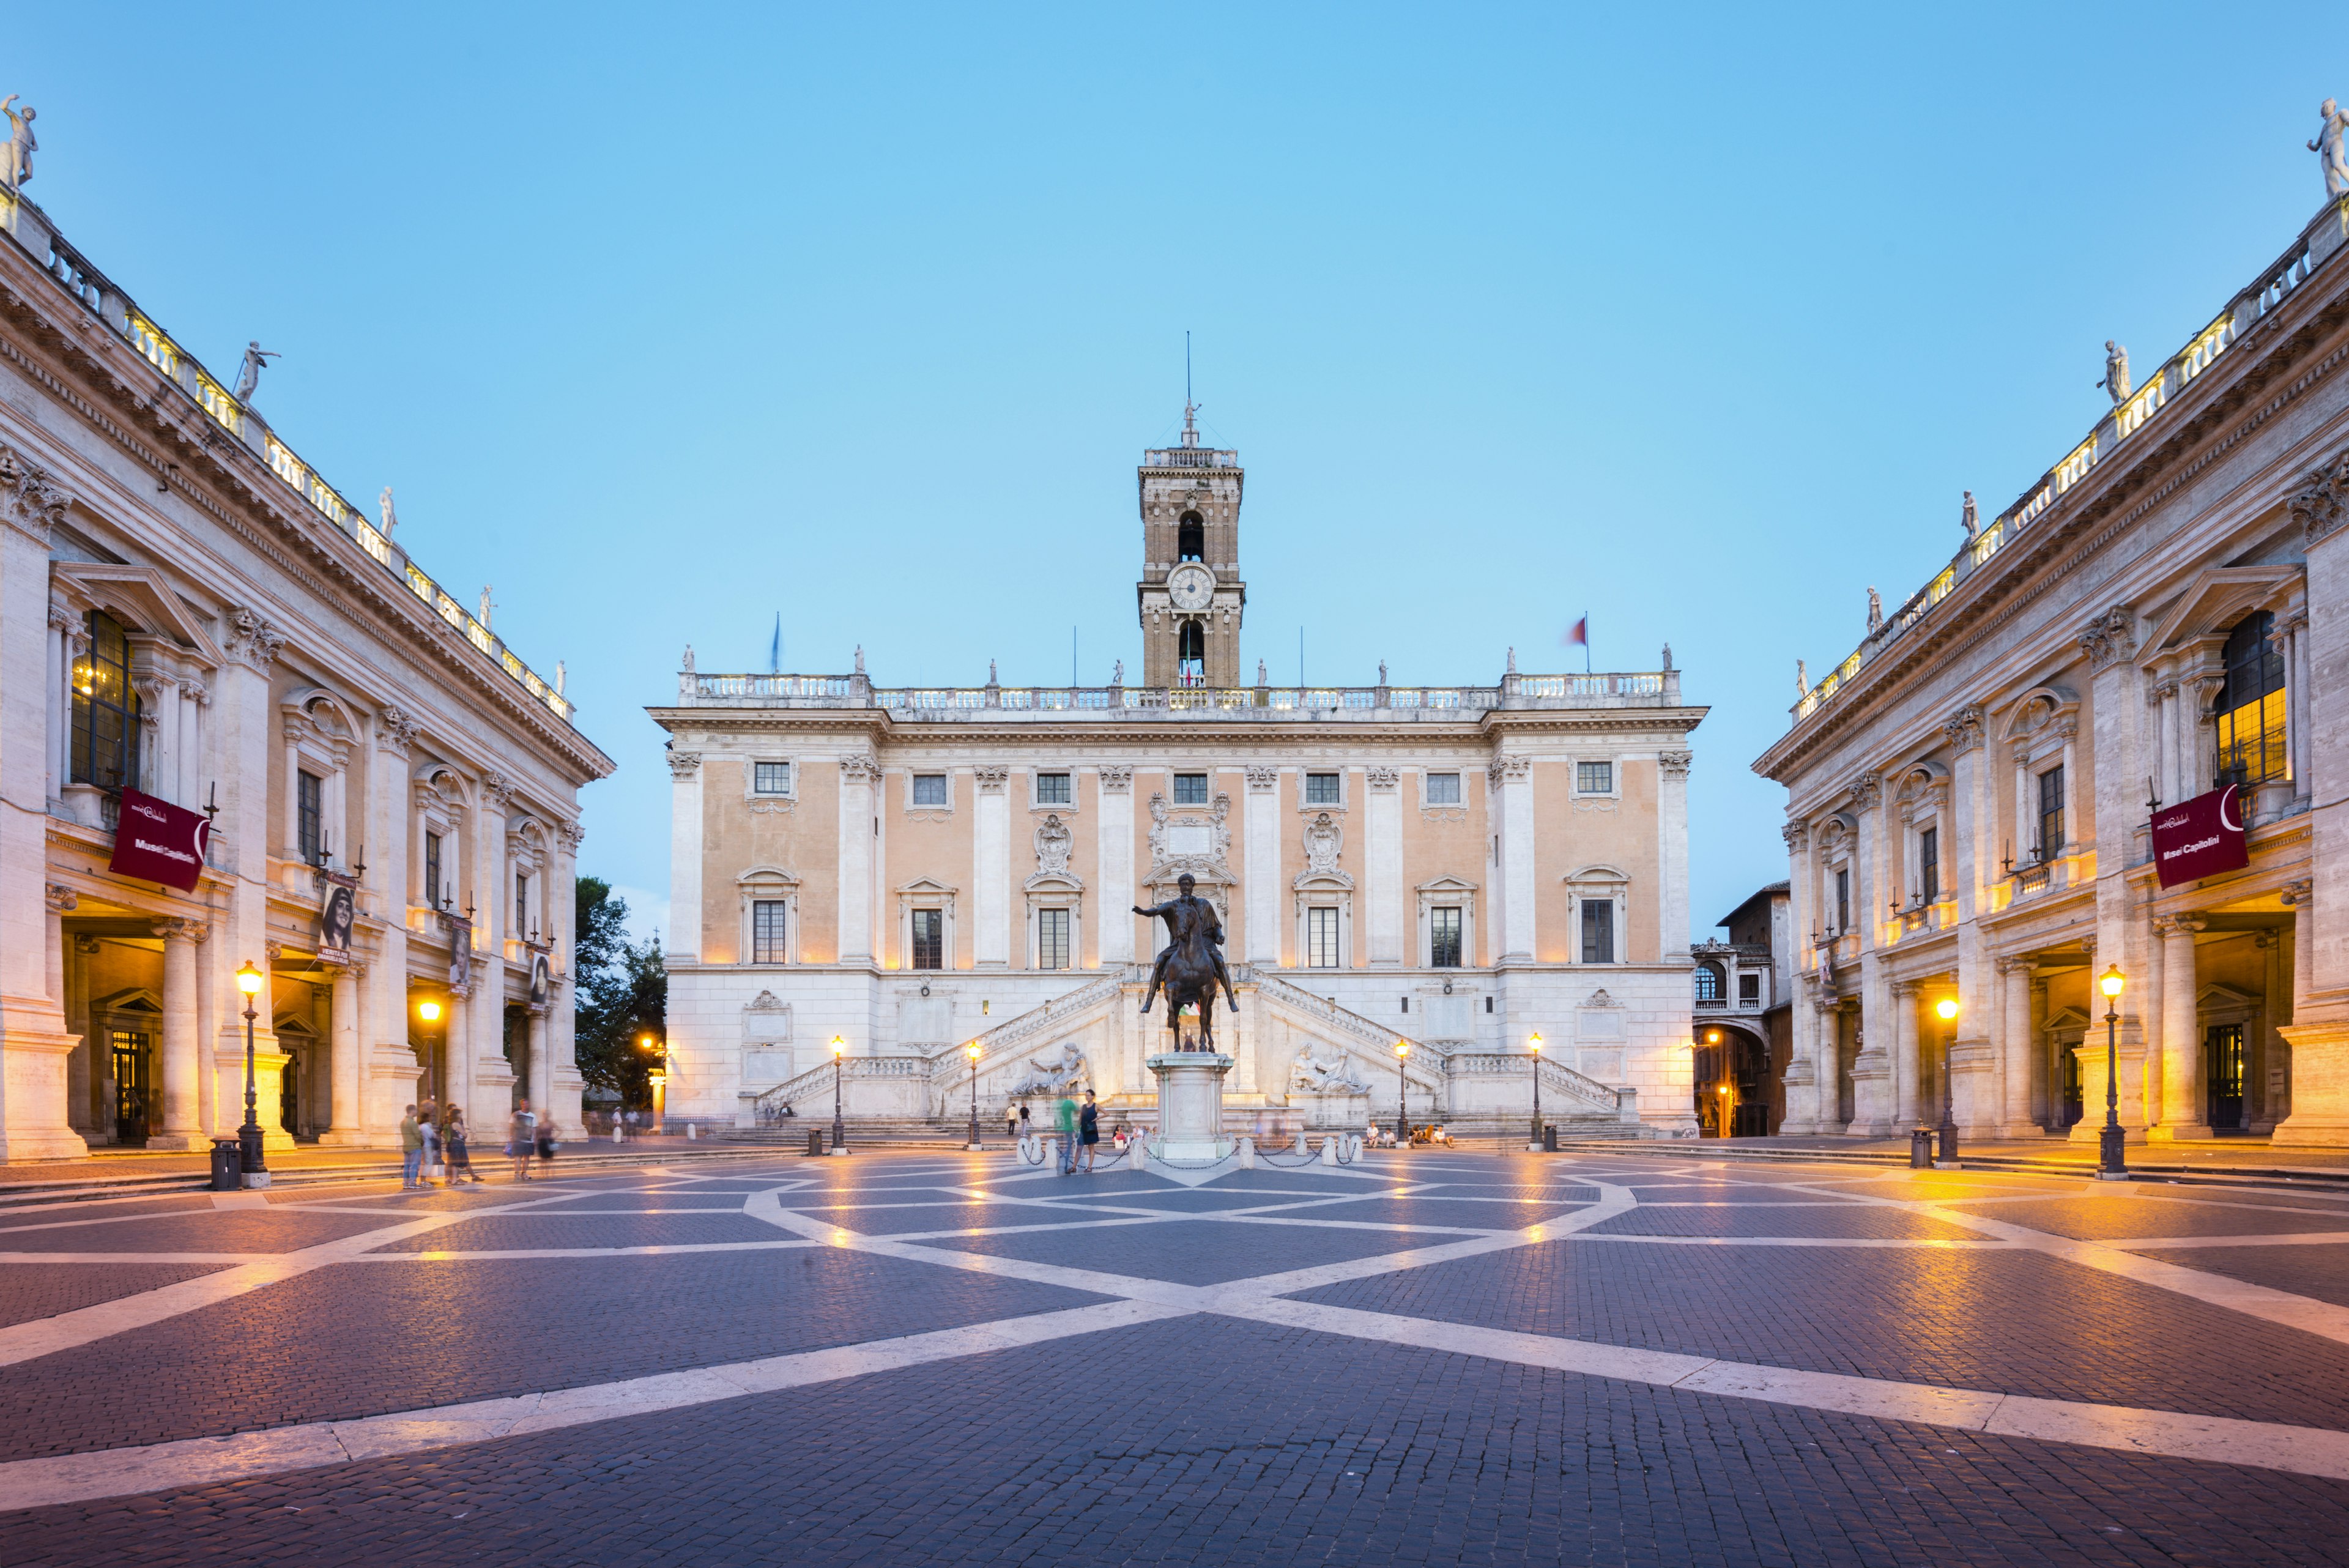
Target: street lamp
column 2110, row 1164
column 1948, row 1010
column 971, row 1051
column 1535, row 1045
column 248, row 1136
column 838, row 1126
column 1403, row 1090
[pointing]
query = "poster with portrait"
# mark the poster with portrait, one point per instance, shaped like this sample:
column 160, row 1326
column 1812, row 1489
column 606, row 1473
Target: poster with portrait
column 541, row 979
column 339, row 911
column 460, row 950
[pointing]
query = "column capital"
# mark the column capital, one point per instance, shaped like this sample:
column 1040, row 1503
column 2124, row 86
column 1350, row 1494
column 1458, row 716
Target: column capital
column 2300, row 892
column 991, row 776
column 2172, row 926
column 176, row 930
column 683, row 766
column 1383, row 780
column 1797, row 836
column 1964, row 728
column 1675, row 765
column 2020, row 963
column 1117, row 778
column 2323, row 507
column 1508, row 770
column 1262, row 779
column 60, row 899
column 35, row 504
column 1907, row 987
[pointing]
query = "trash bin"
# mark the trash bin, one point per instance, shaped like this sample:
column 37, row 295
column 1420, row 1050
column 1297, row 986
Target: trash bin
column 1920, row 1150
column 1550, row 1137
column 228, row 1165
column 816, row 1140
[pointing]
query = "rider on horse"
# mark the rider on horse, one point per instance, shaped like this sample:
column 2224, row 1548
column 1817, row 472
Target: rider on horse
column 1189, row 919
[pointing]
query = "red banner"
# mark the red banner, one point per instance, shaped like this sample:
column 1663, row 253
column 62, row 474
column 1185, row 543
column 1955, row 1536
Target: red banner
column 156, row 841
column 2200, row 837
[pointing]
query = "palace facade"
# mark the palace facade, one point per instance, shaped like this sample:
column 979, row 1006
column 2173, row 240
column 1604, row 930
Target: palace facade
column 911, row 871
column 1977, row 793
column 197, row 628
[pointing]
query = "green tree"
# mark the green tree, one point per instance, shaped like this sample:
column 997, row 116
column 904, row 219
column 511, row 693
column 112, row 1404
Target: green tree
column 621, row 997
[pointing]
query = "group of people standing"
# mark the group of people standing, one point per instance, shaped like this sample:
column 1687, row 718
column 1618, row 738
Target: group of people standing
column 1079, row 1128
column 434, row 1145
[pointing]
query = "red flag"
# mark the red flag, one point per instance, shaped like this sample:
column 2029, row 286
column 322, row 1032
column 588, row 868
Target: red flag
column 1578, row 634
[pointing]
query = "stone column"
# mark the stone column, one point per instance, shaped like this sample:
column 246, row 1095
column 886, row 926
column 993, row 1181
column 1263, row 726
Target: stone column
column 1113, row 866
column 2184, row 1106
column 1806, row 1111
column 990, row 867
column 2021, row 1045
column 1382, row 866
column 1875, row 1095
column 343, row 1129
column 179, row 1126
column 85, row 1111
column 562, row 1090
column 489, row 1094
column 385, row 1061
column 1510, row 786
column 1672, row 854
column 541, row 1066
column 1905, row 1062
column 685, row 854
column 1260, row 865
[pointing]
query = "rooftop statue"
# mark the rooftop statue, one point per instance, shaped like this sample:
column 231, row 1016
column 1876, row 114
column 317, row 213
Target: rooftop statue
column 248, row 375
column 1875, row 608
column 1972, row 523
column 391, row 518
column 2328, row 147
column 1802, row 679
column 2116, row 374
column 20, row 145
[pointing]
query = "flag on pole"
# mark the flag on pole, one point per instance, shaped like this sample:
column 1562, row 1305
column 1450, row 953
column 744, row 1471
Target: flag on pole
column 1580, row 634
column 775, row 650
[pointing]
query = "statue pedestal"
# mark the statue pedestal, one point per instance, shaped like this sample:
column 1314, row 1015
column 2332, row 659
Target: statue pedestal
column 1190, row 1104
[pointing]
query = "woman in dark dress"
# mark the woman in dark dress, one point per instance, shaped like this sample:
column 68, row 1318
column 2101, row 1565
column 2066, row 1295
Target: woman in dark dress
column 1089, row 1130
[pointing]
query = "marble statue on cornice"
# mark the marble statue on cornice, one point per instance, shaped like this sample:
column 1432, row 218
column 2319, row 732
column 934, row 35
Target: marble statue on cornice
column 1971, row 523
column 2329, row 147
column 1875, row 608
column 20, row 145
column 1801, row 678
column 391, row 516
column 2116, row 373
column 248, row 375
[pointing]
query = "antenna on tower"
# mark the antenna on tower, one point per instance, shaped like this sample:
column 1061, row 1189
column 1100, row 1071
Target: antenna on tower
column 1190, row 409
column 1186, row 367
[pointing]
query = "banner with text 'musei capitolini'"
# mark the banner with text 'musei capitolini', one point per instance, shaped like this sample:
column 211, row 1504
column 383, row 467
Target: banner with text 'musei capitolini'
column 156, row 841
column 2199, row 837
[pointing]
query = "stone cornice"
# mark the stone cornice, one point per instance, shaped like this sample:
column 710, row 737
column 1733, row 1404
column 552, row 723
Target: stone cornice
column 157, row 424
column 1157, row 735
column 2216, row 414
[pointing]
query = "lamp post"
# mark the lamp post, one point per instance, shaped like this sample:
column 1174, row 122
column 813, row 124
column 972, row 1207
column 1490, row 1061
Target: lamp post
column 838, row 1126
column 1402, row 1091
column 429, row 1011
column 659, row 1078
column 248, row 1136
column 1947, row 1008
column 1535, row 1045
column 2111, row 1166
column 971, row 1051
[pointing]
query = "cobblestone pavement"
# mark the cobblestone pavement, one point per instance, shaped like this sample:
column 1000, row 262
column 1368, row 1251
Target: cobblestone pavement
column 1430, row 1359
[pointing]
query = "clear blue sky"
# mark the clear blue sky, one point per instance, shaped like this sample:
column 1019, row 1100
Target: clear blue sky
column 664, row 319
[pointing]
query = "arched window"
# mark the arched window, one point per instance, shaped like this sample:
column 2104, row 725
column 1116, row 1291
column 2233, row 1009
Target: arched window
column 104, row 709
column 2250, row 705
column 1710, row 985
column 1191, row 655
column 1191, row 539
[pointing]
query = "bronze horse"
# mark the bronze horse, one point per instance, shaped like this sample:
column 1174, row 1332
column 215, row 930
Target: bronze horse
column 1189, row 967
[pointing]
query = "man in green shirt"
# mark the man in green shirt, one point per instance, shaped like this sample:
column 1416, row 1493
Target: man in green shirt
column 1068, row 1120
column 411, row 1149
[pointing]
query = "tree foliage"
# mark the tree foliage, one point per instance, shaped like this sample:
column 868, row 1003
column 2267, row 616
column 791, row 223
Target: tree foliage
column 621, row 996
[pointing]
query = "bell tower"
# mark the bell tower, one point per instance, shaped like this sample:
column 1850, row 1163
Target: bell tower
column 1191, row 598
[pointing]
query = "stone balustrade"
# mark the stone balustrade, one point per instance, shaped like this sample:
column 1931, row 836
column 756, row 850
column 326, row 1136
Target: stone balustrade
column 1385, row 704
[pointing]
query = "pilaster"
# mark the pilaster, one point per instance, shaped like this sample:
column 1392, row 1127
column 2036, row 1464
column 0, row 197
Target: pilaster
column 685, row 854
column 1260, row 865
column 1114, row 863
column 1383, row 864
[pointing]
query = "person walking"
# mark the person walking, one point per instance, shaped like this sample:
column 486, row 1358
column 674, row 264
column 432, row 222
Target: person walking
column 546, row 1145
column 1010, row 1122
column 430, row 1129
column 411, row 1150
column 1089, row 1130
column 522, row 1139
column 461, row 1158
column 1065, row 1113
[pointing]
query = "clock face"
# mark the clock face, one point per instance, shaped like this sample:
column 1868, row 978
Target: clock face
column 1191, row 586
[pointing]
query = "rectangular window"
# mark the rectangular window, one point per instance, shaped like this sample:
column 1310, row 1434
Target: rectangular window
column 1444, row 938
column 771, row 778
column 1443, row 789
column 1594, row 778
column 1322, row 789
column 1929, row 864
column 929, row 939
column 929, row 789
column 1190, row 789
column 522, row 905
column 1598, row 930
column 1052, row 936
column 766, row 930
column 1749, row 991
column 1842, row 900
column 1321, row 939
column 104, row 709
column 310, row 815
column 2051, row 812
column 1052, row 789
column 2250, row 711
column 432, row 870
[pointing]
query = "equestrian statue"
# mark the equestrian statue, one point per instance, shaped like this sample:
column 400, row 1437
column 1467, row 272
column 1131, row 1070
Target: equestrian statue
column 1190, row 966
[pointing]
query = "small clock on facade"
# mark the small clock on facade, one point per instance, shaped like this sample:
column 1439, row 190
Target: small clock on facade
column 1191, row 586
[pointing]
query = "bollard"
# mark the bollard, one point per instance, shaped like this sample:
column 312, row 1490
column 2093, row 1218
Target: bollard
column 1920, row 1150
column 1330, row 1149
column 692, row 1132
column 1246, row 1151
